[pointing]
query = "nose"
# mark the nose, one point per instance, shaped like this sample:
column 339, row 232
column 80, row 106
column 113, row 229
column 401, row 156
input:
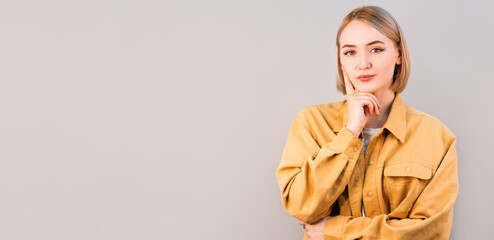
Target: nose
column 364, row 62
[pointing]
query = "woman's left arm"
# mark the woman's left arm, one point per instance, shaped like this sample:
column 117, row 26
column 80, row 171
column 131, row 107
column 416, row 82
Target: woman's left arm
column 430, row 217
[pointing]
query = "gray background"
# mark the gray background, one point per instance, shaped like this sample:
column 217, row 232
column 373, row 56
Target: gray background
column 167, row 119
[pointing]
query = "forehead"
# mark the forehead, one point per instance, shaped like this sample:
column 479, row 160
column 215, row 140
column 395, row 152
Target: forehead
column 360, row 33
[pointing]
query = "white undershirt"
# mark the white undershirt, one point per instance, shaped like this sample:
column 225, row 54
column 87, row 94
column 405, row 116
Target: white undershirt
column 368, row 134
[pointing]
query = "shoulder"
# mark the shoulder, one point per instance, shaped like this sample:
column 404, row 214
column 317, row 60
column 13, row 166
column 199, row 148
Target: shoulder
column 324, row 111
column 428, row 138
column 426, row 123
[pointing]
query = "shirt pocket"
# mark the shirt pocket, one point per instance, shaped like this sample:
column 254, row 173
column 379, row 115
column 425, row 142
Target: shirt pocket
column 403, row 183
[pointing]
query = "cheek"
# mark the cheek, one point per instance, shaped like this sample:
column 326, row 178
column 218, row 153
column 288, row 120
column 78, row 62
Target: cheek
column 386, row 64
column 343, row 61
column 348, row 64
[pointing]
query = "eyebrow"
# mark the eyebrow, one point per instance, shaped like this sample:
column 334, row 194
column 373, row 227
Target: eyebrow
column 373, row 42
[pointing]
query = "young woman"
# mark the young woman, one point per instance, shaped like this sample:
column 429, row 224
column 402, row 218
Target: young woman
column 370, row 167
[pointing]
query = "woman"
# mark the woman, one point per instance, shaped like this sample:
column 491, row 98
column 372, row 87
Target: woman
column 370, row 167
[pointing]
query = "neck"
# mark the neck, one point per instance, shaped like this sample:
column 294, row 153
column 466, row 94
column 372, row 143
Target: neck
column 386, row 100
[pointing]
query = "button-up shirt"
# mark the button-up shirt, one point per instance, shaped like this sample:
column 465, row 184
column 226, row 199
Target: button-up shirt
column 407, row 179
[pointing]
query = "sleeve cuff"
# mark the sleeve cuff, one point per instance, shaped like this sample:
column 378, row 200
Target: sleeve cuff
column 334, row 227
column 347, row 143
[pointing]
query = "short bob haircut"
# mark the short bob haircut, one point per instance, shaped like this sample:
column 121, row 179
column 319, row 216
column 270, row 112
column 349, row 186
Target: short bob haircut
column 381, row 20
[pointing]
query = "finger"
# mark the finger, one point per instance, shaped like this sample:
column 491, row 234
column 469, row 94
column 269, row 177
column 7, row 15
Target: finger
column 372, row 96
column 301, row 222
column 375, row 106
column 366, row 102
column 373, row 99
column 367, row 111
column 350, row 89
column 370, row 106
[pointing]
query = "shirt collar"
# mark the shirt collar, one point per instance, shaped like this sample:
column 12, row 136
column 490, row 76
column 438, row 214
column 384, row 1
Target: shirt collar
column 396, row 122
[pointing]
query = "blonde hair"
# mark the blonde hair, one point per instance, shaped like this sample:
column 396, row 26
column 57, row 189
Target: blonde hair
column 381, row 20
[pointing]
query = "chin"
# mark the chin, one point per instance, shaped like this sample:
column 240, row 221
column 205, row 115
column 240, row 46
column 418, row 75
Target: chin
column 366, row 90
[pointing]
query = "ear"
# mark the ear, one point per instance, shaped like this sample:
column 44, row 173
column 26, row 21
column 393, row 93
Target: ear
column 398, row 59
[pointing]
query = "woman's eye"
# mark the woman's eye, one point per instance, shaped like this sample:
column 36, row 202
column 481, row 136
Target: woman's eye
column 377, row 50
column 350, row 53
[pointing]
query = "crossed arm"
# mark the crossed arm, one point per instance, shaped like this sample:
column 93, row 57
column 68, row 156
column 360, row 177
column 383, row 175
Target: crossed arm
column 309, row 185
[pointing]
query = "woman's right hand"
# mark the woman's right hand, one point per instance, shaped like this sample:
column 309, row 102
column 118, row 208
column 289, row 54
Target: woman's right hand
column 360, row 106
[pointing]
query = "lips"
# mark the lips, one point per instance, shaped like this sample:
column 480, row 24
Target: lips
column 365, row 77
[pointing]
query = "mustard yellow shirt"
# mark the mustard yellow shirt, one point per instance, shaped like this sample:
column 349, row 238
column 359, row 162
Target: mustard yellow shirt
column 407, row 179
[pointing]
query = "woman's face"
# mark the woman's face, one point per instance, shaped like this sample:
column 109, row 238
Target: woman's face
column 366, row 51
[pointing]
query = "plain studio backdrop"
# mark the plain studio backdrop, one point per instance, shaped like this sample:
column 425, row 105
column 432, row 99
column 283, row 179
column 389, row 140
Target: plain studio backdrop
column 167, row 119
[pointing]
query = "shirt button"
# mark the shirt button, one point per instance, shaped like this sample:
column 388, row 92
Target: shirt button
column 370, row 194
column 371, row 162
column 409, row 169
column 355, row 149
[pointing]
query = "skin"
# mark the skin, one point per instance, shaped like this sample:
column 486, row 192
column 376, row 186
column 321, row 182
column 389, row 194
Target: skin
column 366, row 98
column 368, row 102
